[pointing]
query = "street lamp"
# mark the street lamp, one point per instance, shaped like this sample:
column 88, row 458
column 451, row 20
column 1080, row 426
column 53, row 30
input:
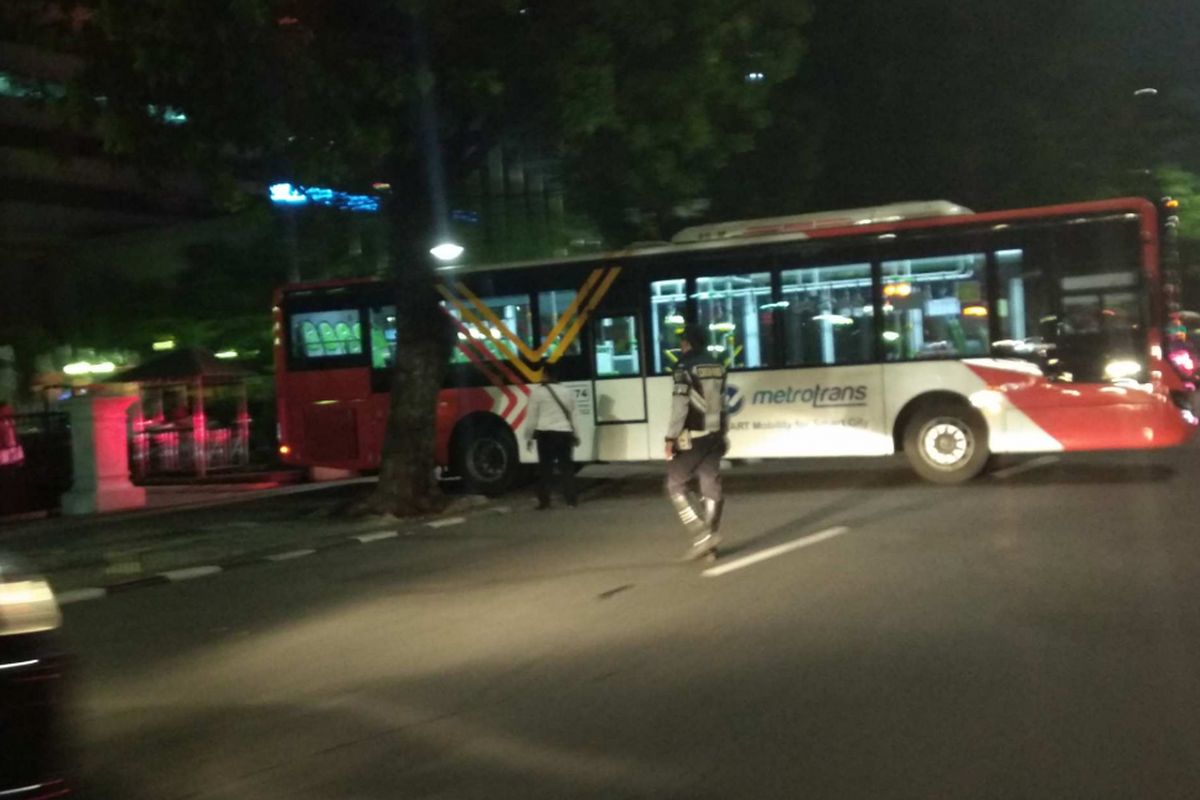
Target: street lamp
column 446, row 251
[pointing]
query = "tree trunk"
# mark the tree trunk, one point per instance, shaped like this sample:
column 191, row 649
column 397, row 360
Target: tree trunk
column 424, row 337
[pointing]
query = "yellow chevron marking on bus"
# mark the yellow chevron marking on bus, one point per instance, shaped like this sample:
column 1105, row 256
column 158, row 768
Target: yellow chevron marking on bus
column 501, row 345
column 569, row 314
column 577, row 326
column 491, row 317
column 508, row 343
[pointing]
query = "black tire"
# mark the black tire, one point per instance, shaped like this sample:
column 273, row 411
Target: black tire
column 946, row 443
column 486, row 457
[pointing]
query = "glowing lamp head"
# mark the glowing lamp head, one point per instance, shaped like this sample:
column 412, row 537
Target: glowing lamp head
column 446, row 251
column 284, row 450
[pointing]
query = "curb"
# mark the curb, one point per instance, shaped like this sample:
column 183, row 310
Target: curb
column 195, row 572
column 34, row 526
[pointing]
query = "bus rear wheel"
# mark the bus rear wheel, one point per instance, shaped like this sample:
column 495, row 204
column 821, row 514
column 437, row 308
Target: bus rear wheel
column 946, row 443
column 486, row 457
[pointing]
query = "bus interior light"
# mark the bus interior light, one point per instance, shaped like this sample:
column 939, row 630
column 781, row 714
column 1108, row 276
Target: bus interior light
column 284, row 450
column 164, row 344
column 974, row 311
column 833, row 319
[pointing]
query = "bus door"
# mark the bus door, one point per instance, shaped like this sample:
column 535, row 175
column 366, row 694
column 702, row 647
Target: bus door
column 619, row 387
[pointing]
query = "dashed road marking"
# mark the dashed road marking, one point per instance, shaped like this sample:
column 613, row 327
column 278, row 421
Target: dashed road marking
column 80, row 595
column 367, row 538
column 1026, row 466
column 771, row 552
column 290, row 554
column 189, row 573
column 446, row 522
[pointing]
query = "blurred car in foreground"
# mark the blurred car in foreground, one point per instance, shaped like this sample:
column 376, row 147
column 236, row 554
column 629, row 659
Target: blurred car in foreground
column 33, row 761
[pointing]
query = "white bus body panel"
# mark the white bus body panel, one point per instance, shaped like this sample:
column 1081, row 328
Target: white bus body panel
column 821, row 411
column 621, row 429
column 849, row 410
column 791, row 413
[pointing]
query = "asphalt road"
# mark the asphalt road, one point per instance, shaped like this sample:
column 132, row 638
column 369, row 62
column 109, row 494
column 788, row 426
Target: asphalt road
column 1033, row 634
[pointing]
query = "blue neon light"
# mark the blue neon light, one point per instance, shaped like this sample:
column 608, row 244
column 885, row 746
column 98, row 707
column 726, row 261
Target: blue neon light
column 288, row 195
column 291, row 195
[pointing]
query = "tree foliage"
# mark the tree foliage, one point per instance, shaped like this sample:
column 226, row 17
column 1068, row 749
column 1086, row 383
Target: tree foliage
column 643, row 103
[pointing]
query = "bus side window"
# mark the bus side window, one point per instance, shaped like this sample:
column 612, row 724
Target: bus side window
column 552, row 306
column 741, row 333
column 329, row 338
column 311, row 339
column 490, row 326
column 350, row 339
column 668, row 304
column 935, row 307
column 383, row 337
column 617, row 352
column 828, row 317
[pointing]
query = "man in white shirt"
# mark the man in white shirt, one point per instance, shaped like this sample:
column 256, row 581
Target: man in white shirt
column 551, row 423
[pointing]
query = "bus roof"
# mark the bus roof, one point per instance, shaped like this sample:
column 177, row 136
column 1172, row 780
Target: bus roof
column 803, row 223
column 876, row 219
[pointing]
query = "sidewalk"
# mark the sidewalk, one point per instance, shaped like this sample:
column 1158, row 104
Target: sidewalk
column 215, row 527
column 183, row 526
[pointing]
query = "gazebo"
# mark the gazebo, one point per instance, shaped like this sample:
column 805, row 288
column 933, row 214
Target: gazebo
column 184, row 440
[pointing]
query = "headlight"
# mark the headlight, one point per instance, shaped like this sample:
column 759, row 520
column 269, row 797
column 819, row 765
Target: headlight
column 27, row 606
column 1117, row 370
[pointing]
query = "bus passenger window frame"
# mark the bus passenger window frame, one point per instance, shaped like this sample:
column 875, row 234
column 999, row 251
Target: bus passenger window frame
column 301, row 362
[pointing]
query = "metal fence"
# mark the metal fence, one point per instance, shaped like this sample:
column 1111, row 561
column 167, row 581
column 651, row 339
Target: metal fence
column 35, row 474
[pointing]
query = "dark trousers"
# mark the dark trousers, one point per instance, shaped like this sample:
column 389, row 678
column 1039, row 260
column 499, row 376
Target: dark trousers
column 555, row 463
column 702, row 462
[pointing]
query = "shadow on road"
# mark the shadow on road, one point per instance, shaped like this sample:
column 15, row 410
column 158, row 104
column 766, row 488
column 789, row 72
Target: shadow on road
column 1093, row 474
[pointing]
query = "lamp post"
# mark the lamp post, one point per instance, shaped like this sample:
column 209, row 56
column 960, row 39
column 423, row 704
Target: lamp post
column 288, row 198
column 1145, row 99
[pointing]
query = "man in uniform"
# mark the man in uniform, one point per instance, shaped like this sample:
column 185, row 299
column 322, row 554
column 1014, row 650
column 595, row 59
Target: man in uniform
column 696, row 440
column 551, row 423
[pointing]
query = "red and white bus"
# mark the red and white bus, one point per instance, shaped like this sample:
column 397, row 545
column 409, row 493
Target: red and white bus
column 916, row 327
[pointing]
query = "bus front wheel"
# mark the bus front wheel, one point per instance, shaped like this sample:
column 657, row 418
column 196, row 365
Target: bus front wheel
column 946, row 443
column 486, row 457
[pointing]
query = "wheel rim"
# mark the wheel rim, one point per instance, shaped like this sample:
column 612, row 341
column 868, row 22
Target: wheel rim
column 947, row 443
column 488, row 460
